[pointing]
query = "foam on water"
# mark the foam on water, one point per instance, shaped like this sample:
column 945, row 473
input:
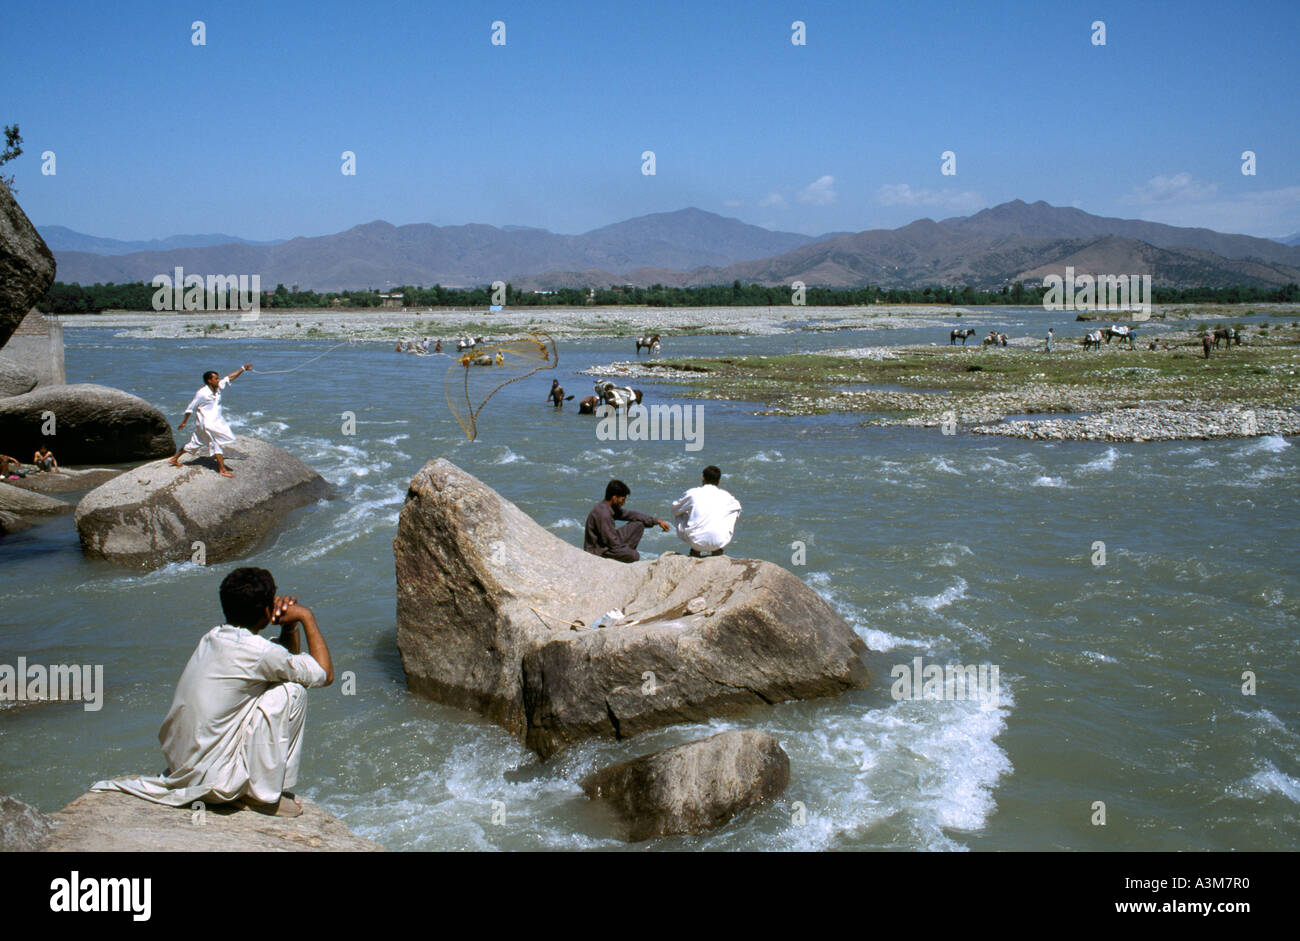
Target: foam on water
column 944, row 598
column 920, row 768
column 509, row 457
column 1104, row 463
column 1045, row 481
column 1268, row 444
column 1269, row 780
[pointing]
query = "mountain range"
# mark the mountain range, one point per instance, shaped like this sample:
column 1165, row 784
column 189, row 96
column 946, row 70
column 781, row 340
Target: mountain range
column 1009, row 242
column 62, row 239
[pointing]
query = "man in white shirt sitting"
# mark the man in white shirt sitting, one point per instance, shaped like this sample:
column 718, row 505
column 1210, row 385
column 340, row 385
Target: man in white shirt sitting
column 233, row 734
column 706, row 515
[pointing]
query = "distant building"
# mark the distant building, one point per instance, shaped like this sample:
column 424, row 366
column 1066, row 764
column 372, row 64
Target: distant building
column 391, row 300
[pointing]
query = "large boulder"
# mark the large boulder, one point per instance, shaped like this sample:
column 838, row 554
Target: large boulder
column 23, row 828
column 493, row 614
column 112, row 822
column 154, row 514
column 693, row 787
column 19, row 508
column 92, row 425
column 26, row 265
column 16, row 377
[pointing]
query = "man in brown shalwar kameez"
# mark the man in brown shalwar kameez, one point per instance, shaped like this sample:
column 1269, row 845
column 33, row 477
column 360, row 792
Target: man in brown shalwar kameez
column 603, row 538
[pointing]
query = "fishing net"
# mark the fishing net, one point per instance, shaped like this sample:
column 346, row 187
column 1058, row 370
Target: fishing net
column 477, row 374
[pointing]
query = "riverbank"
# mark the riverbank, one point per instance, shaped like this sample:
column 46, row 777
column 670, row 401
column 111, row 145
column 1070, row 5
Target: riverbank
column 372, row 325
column 1110, row 394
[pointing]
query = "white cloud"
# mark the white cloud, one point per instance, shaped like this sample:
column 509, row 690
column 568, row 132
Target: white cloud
column 773, row 199
column 1266, row 213
column 820, row 192
column 901, row 194
column 1179, row 188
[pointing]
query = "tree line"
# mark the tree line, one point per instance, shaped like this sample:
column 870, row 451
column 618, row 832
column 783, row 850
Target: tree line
column 76, row 299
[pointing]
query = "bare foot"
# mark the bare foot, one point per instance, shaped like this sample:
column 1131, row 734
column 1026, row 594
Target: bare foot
column 289, row 806
column 227, row 474
column 174, row 463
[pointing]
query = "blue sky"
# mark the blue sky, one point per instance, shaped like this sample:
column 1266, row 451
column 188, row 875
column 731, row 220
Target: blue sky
column 155, row 136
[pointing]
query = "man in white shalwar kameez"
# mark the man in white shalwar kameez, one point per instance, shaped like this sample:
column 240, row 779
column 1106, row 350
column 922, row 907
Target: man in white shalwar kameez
column 706, row 515
column 211, row 433
column 234, row 732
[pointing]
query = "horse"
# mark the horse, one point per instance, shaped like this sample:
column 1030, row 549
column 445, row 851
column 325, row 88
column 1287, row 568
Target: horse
column 616, row 396
column 963, row 333
column 1228, row 334
column 467, row 343
column 588, row 405
column 1092, row 339
column 650, row 342
column 1121, row 333
column 996, row 339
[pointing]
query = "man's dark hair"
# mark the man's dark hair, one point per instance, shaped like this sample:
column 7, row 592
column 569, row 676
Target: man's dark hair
column 712, row 475
column 616, row 488
column 246, row 593
column 210, row 372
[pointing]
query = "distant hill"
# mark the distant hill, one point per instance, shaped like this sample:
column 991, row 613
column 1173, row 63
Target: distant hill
column 1293, row 239
column 379, row 254
column 61, row 238
column 1015, row 241
column 1005, row 243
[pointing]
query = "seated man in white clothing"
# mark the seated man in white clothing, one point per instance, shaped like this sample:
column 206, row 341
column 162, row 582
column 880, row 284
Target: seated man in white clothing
column 233, row 734
column 706, row 515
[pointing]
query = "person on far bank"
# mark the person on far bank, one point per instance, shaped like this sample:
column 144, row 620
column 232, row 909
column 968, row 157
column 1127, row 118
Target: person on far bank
column 1051, row 335
column 603, row 538
column 211, row 433
column 706, row 515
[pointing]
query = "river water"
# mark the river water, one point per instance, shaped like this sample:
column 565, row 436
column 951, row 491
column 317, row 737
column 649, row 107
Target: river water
column 1119, row 684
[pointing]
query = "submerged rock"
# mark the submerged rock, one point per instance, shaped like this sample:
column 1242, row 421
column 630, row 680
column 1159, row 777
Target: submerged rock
column 109, row 821
column 26, row 265
column 693, row 787
column 19, row 508
column 154, row 514
column 92, row 424
column 492, row 612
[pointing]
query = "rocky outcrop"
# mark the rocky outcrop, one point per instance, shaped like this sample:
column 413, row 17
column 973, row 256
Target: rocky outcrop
column 92, row 425
column 15, row 377
column 493, row 614
column 693, row 787
column 26, row 265
column 154, row 514
column 23, row 828
column 21, row 508
column 108, row 821
column 67, row 480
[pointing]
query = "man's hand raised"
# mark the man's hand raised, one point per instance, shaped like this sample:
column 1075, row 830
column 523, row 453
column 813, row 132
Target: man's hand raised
column 287, row 610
